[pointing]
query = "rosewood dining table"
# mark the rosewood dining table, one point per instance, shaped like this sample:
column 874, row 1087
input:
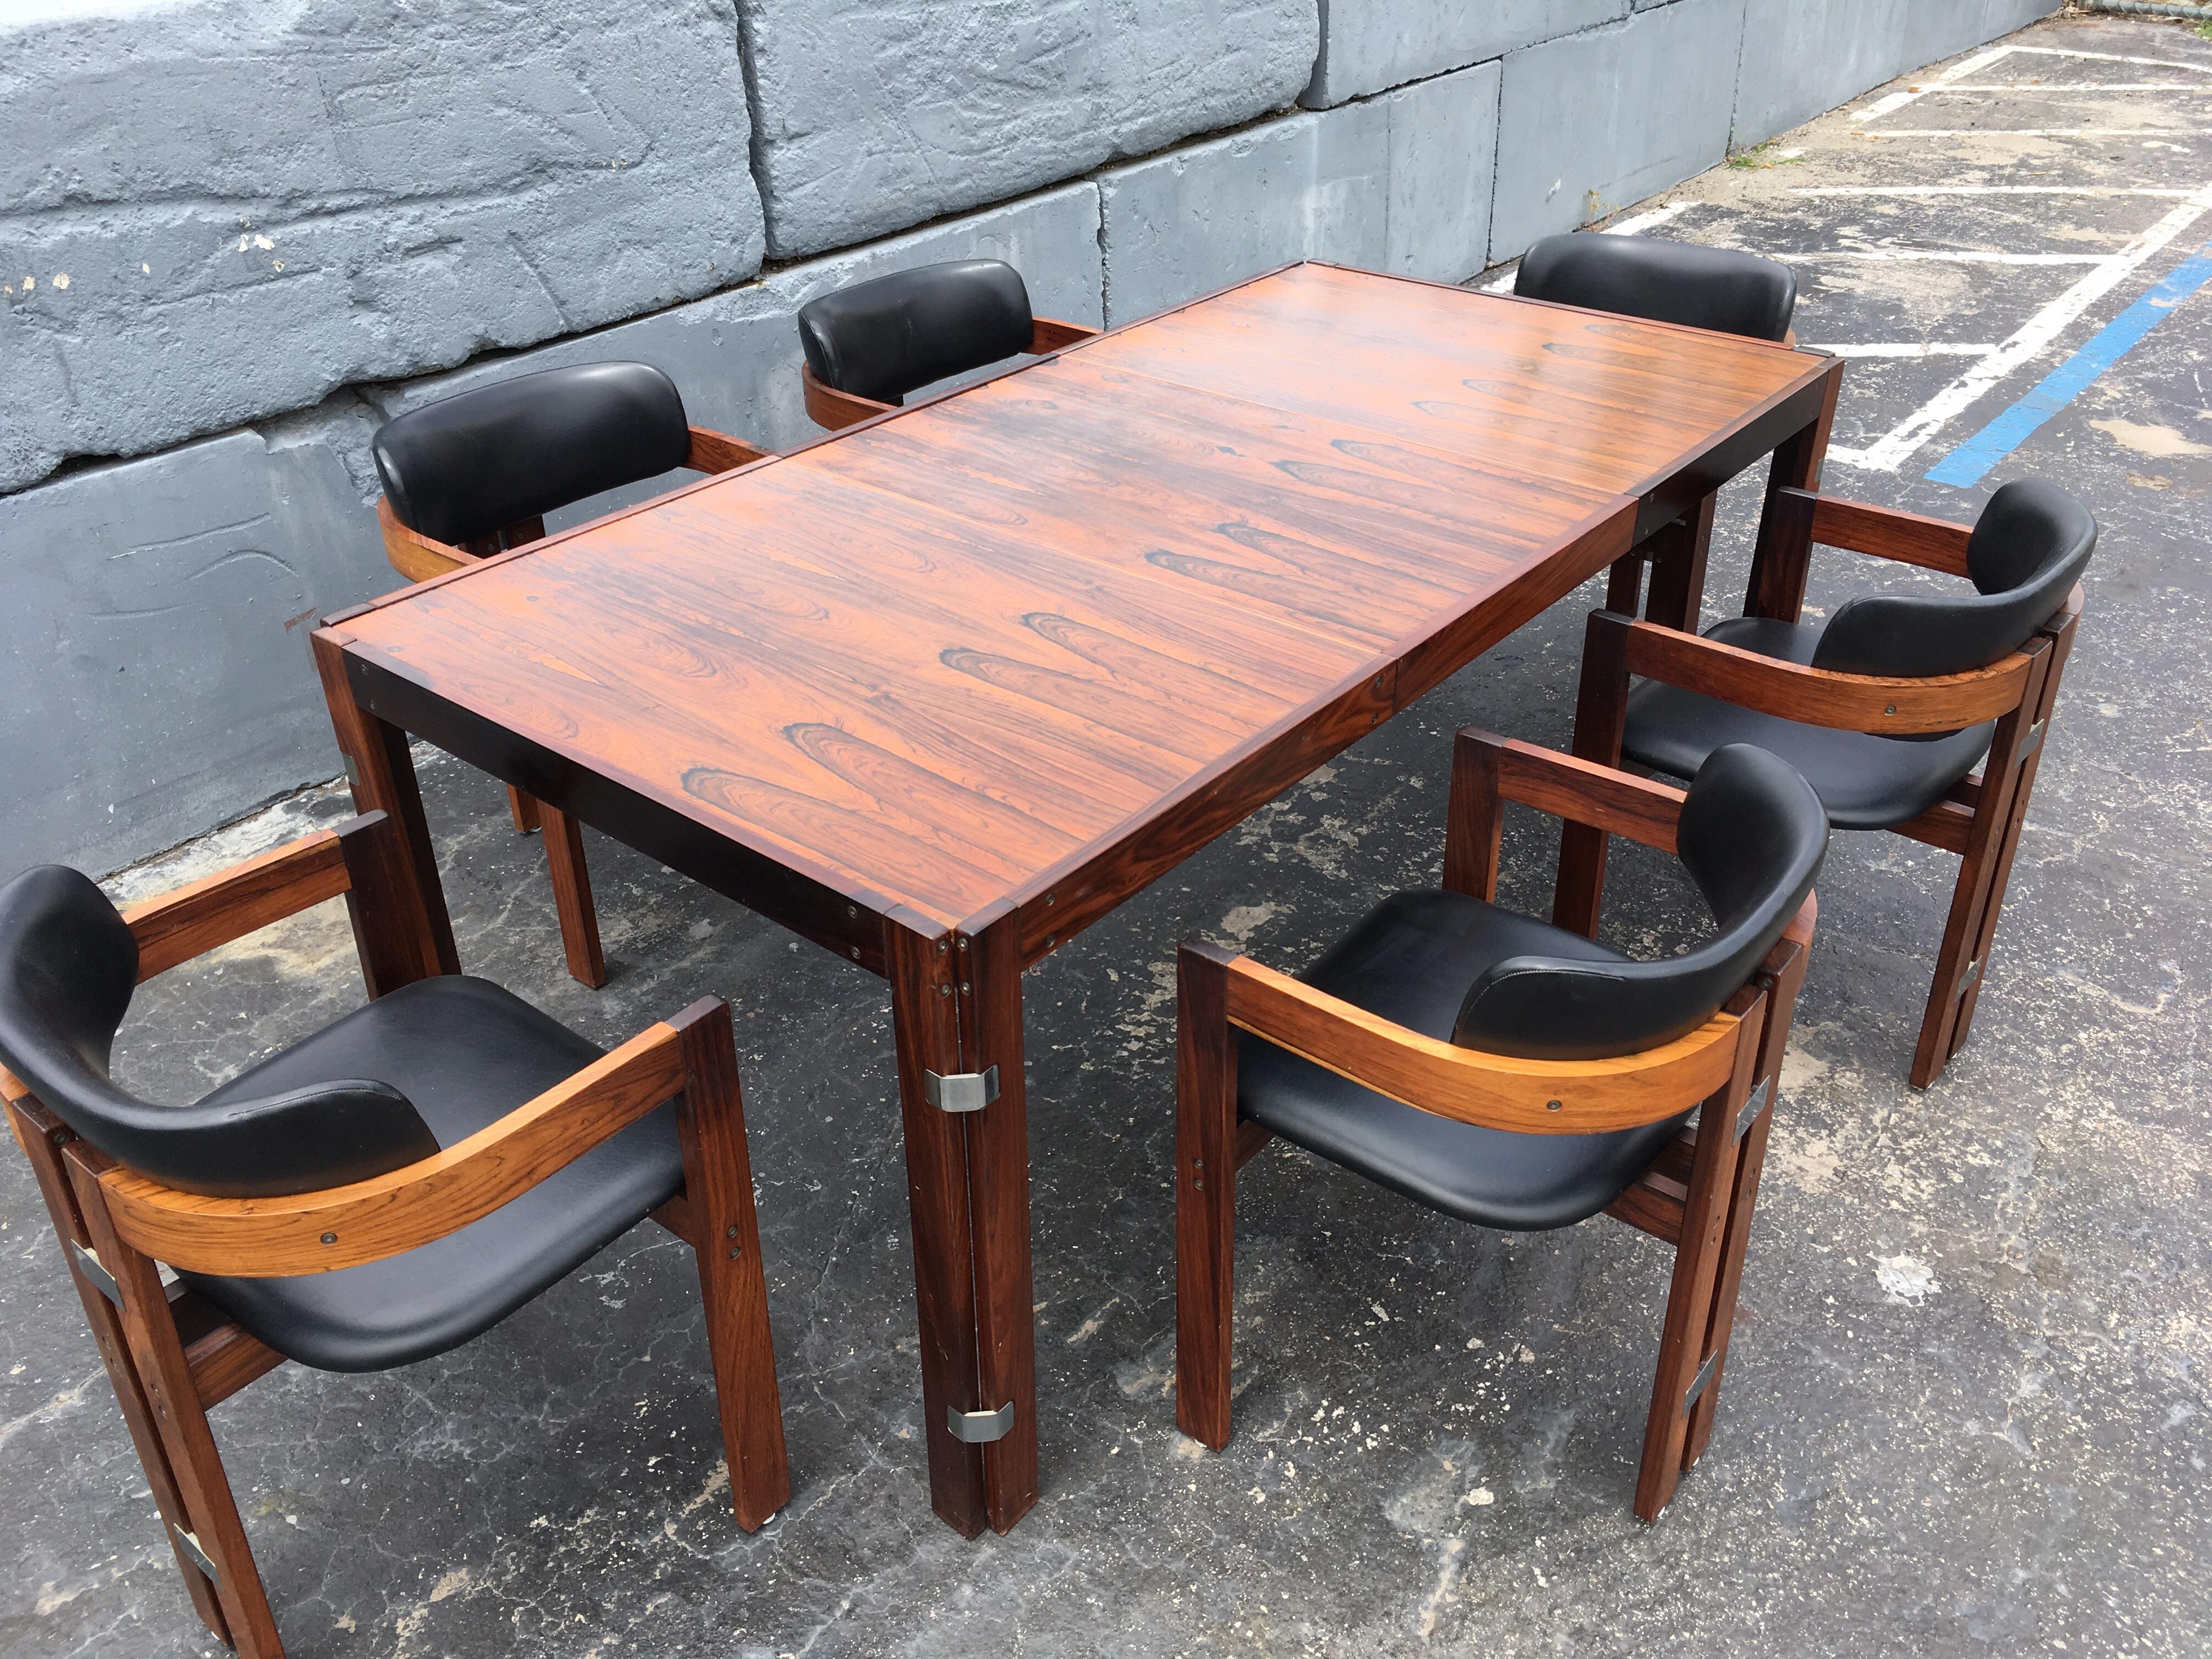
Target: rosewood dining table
column 941, row 690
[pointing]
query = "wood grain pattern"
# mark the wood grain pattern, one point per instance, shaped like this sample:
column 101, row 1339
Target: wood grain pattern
column 368, row 1220
column 1495, row 1091
column 1818, row 696
column 179, row 925
column 1045, row 636
column 1050, row 334
column 832, row 410
column 1887, row 533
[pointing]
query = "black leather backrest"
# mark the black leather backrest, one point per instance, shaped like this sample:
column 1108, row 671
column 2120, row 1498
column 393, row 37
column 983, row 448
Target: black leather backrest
column 1753, row 836
column 2029, row 547
column 1665, row 282
column 468, row 465
column 883, row 338
column 68, row 964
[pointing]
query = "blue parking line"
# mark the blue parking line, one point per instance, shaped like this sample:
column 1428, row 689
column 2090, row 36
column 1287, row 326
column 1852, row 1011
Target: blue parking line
column 1971, row 461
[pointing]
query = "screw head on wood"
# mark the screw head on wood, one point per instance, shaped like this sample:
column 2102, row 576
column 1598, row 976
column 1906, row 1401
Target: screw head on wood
column 1889, row 708
column 1552, row 1105
column 730, row 1231
column 1200, row 1183
column 330, row 1238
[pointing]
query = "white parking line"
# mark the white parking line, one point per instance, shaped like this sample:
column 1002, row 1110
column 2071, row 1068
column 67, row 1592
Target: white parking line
column 1955, row 256
column 1892, row 450
column 1905, row 348
column 2042, row 132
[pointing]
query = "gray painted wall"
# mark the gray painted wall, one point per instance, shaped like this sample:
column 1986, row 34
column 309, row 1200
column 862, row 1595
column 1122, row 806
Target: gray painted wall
column 308, row 215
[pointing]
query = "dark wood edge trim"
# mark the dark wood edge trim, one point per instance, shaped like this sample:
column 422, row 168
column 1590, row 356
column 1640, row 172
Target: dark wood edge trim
column 1816, row 697
column 1739, row 445
column 782, row 884
column 1495, row 1091
column 385, row 1215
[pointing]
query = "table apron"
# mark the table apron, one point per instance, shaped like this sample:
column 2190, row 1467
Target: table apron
column 849, row 924
column 1668, row 499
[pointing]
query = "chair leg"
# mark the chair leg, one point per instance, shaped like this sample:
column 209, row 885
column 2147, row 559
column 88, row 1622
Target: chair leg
column 717, row 1183
column 1205, row 1192
column 1623, row 584
column 1985, row 864
column 571, row 896
column 1687, row 1359
column 524, row 809
column 1601, row 719
column 149, row 1333
column 41, row 1137
column 1786, row 978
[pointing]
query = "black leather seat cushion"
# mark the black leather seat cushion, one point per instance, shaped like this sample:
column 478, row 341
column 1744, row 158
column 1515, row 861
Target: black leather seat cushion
column 1864, row 781
column 466, row 1052
column 1411, row 960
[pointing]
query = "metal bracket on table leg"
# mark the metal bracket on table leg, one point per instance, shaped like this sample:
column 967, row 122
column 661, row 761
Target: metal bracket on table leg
column 980, row 1428
column 961, row 1092
column 1698, row 1384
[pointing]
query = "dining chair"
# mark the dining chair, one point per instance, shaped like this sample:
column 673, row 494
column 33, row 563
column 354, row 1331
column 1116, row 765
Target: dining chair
column 376, row 1193
column 1886, row 708
column 869, row 345
column 475, row 474
column 1515, row 1075
column 1723, row 289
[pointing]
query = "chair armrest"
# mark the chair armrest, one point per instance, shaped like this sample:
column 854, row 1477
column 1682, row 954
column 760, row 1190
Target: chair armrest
column 717, row 452
column 1495, row 1091
column 1046, row 335
column 368, row 1220
column 832, row 409
column 1816, row 697
column 193, row 919
column 414, row 555
column 1883, row 532
column 1488, row 770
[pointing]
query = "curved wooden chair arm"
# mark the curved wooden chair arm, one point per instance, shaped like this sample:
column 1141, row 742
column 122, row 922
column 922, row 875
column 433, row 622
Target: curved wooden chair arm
column 1817, row 696
column 412, row 553
column 368, row 1220
column 195, row 919
column 718, row 451
column 1580, row 790
column 833, row 411
column 1883, row 532
column 1495, row 1091
column 1049, row 335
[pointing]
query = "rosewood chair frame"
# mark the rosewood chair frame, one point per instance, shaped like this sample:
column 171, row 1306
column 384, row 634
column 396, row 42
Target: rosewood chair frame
column 418, row 558
column 1698, row 1196
column 833, row 411
column 1979, row 821
column 171, row 1354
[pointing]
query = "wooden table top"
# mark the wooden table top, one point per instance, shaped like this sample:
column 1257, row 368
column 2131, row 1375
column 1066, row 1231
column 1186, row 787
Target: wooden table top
column 1028, row 644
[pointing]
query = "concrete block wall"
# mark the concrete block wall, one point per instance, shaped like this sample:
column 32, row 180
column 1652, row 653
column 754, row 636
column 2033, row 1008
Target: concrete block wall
column 236, row 236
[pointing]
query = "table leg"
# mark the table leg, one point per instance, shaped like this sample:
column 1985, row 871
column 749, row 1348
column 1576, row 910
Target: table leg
column 1780, row 561
column 956, row 1007
column 998, row 1202
column 382, row 773
column 1678, row 568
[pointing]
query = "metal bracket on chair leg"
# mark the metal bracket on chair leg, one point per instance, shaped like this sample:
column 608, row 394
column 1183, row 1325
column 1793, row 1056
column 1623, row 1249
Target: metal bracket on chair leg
column 90, row 1264
column 980, row 1428
column 1966, row 980
column 1752, row 1107
column 2034, row 740
column 961, row 1092
column 191, row 1544
column 1699, row 1382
